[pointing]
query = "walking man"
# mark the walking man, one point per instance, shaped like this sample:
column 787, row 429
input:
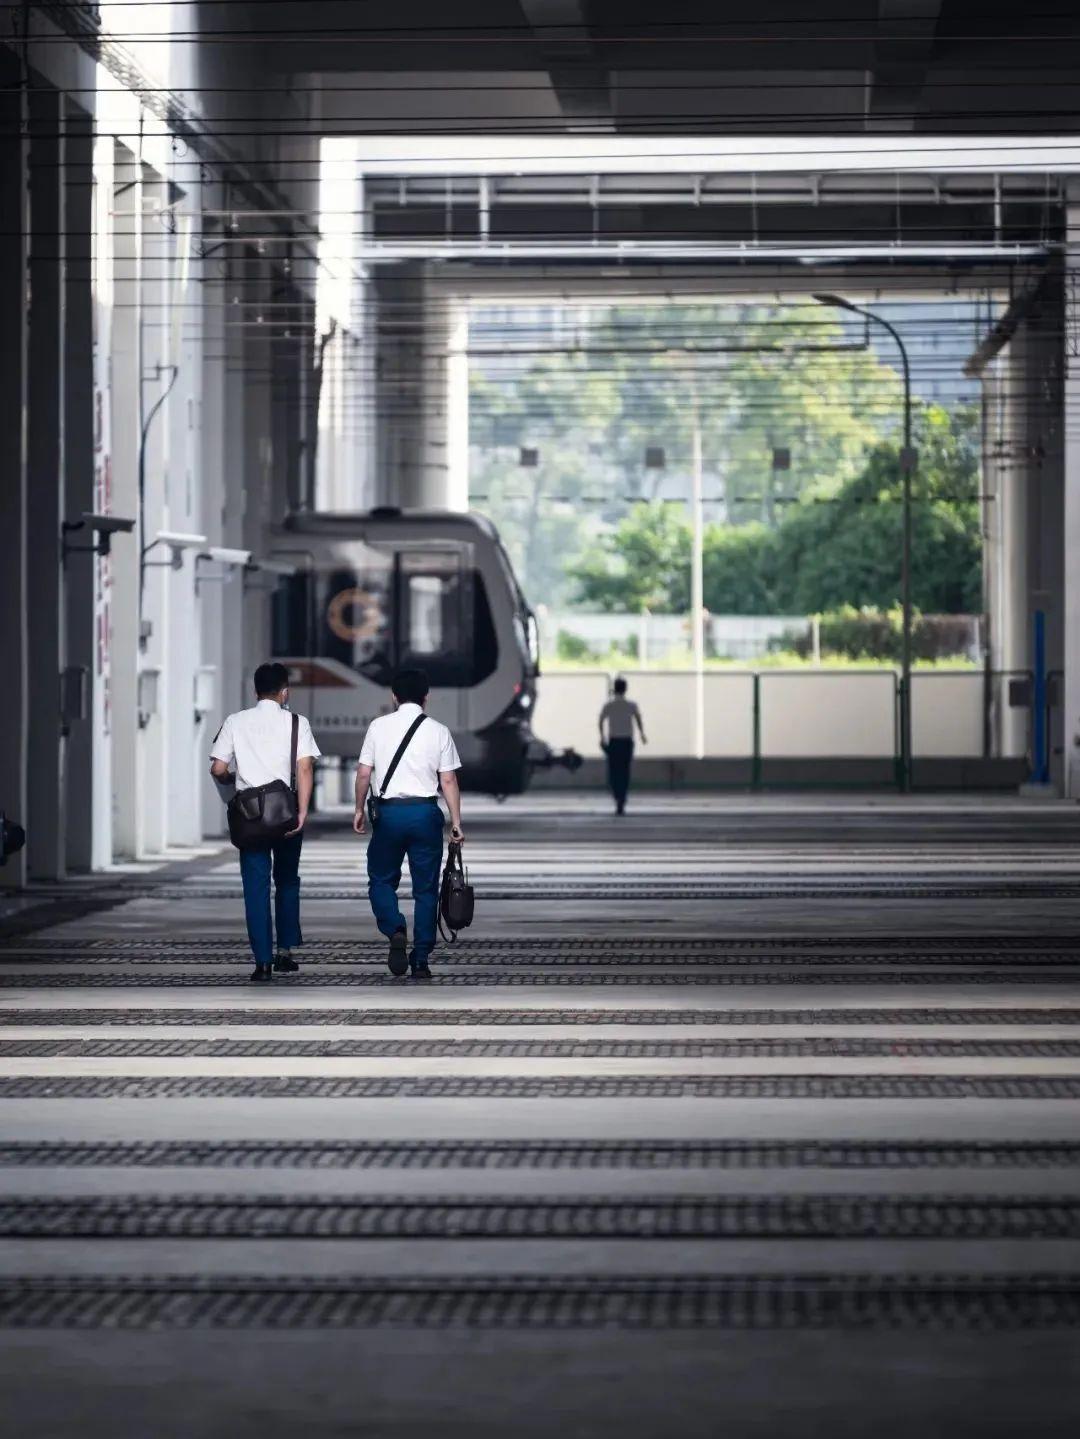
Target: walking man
column 620, row 715
column 409, row 821
column 253, row 747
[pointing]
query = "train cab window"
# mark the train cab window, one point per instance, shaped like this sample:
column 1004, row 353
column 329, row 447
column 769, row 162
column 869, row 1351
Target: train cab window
column 445, row 620
column 426, row 606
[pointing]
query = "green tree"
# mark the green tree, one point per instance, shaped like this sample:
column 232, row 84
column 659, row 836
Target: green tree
column 835, row 548
column 642, row 564
column 845, row 548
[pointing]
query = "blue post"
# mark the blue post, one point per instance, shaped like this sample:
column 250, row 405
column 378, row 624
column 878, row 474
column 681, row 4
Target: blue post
column 1040, row 759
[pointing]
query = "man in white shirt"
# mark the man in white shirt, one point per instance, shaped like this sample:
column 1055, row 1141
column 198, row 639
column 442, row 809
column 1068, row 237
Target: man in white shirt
column 410, row 821
column 254, row 747
column 620, row 715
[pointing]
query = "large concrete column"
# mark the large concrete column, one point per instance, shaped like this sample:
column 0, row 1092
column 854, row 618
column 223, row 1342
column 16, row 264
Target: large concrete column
column 212, row 606
column 127, row 373
column 1071, row 529
column 399, row 407
column 1023, row 474
column 155, row 753
column 422, row 392
column 45, row 461
column 447, row 417
column 101, row 699
column 78, row 477
column 14, row 636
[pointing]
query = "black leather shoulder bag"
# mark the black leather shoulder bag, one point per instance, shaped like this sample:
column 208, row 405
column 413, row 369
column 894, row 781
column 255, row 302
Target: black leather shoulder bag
column 373, row 800
column 457, row 900
column 267, row 812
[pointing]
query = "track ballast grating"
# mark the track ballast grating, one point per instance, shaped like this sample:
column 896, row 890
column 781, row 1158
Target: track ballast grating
column 768, row 1301
column 841, row 1047
column 651, row 1154
column 944, row 944
column 674, row 979
column 270, row 1216
column 628, row 1086
column 522, row 957
column 346, row 1018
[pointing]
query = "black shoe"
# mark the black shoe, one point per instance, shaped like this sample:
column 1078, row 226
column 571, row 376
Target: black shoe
column 421, row 971
column 398, row 958
column 285, row 964
column 262, row 974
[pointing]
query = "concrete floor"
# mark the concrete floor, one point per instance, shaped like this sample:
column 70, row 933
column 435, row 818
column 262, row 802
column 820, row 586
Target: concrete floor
column 923, row 925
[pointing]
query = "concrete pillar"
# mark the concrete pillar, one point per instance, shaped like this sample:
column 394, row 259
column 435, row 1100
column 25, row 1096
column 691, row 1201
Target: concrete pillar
column 259, row 461
column 14, row 636
column 422, row 392
column 79, row 575
column 185, row 514
column 45, row 839
column 399, row 406
column 449, row 388
column 212, row 600
column 155, row 752
column 101, row 703
column 1024, row 475
column 127, row 372
column 1071, row 530
column 235, row 685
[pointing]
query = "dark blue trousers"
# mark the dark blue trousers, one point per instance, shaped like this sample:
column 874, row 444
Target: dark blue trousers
column 414, row 831
column 620, row 756
column 256, row 865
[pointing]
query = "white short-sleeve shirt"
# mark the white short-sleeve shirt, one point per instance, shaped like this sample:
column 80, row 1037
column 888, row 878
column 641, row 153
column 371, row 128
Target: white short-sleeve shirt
column 431, row 751
column 620, row 714
column 256, row 743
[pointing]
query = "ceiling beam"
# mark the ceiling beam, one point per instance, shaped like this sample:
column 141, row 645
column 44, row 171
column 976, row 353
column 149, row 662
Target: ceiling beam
column 581, row 83
column 901, row 61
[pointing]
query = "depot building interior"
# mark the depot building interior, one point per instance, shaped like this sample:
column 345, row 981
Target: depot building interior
column 355, row 337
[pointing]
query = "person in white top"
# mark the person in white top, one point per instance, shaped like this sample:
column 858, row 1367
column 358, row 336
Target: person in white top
column 253, row 747
column 620, row 715
column 410, row 822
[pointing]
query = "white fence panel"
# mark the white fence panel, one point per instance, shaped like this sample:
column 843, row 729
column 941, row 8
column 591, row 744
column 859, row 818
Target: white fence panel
column 729, row 715
column 947, row 714
column 567, row 709
column 841, row 714
column 666, row 701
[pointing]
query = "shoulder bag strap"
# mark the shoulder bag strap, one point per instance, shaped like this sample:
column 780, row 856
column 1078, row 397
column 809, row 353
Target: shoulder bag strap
column 402, row 747
column 292, row 751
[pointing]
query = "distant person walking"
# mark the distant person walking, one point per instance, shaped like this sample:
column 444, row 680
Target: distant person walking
column 409, row 821
column 620, row 715
column 252, row 748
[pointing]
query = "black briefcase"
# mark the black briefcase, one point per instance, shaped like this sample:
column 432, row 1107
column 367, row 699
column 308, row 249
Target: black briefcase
column 457, row 900
column 262, row 815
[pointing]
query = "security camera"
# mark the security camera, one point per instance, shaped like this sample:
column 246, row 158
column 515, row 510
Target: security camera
column 273, row 567
column 108, row 524
column 224, row 556
column 177, row 542
column 104, row 526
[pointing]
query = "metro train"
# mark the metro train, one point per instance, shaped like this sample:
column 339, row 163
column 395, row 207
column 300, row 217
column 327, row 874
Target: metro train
column 370, row 592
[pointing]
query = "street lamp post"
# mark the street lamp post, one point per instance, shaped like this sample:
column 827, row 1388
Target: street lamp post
column 907, row 469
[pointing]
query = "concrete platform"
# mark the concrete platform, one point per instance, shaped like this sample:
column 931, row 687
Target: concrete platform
column 606, row 1256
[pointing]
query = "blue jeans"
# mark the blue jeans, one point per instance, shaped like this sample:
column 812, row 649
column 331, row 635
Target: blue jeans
column 255, row 869
column 415, row 830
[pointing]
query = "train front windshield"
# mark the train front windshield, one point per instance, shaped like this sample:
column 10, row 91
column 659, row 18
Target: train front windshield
column 375, row 610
